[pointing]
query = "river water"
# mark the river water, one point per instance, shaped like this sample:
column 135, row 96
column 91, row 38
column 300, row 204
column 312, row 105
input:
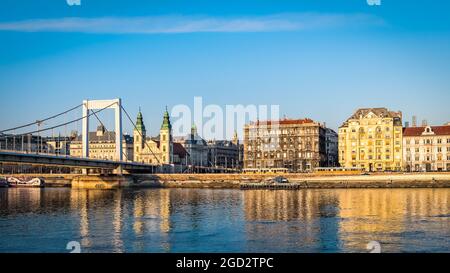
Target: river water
column 204, row 220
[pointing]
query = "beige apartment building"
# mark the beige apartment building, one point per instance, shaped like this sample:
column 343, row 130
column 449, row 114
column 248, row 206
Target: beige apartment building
column 102, row 145
column 291, row 145
column 371, row 139
column 426, row 148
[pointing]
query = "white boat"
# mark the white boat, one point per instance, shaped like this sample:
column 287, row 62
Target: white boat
column 25, row 182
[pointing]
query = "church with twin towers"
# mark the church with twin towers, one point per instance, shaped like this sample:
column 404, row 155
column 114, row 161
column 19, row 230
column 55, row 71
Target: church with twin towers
column 160, row 149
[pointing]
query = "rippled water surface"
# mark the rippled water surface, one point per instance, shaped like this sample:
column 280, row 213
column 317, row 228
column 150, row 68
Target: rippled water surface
column 192, row 220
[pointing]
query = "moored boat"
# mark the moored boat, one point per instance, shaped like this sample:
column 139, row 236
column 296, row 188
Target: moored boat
column 3, row 182
column 25, row 182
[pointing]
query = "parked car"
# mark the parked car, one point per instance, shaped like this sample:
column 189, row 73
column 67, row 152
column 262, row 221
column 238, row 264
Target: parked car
column 281, row 180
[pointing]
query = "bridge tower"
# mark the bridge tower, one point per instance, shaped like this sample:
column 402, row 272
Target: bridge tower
column 115, row 104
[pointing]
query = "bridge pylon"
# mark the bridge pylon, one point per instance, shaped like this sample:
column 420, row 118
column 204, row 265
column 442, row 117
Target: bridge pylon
column 115, row 104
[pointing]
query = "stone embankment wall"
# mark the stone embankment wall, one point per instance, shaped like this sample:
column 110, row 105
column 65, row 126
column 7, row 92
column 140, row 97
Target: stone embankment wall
column 305, row 181
column 234, row 181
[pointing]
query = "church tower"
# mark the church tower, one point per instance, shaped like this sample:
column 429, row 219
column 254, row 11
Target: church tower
column 235, row 140
column 139, row 137
column 166, row 144
column 194, row 133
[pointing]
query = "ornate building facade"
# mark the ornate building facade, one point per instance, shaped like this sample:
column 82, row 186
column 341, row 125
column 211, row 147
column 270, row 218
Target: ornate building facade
column 196, row 147
column 159, row 150
column 293, row 145
column 426, row 148
column 371, row 139
column 102, row 145
column 225, row 153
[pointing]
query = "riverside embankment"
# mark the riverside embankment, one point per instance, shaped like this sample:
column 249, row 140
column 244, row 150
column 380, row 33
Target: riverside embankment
column 301, row 180
column 230, row 181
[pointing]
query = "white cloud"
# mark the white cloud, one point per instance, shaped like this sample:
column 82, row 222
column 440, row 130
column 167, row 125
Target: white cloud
column 191, row 24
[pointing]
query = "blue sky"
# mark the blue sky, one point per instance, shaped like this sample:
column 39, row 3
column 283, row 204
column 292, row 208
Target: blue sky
column 316, row 58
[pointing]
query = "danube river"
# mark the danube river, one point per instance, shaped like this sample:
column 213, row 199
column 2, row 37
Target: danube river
column 203, row 220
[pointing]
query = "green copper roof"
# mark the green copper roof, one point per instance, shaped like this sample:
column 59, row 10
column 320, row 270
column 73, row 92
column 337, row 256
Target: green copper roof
column 140, row 122
column 166, row 121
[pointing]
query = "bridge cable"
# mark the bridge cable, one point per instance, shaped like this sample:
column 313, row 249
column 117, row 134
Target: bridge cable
column 106, row 129
column 135, row 127
column 40, row 121
column 69, row 122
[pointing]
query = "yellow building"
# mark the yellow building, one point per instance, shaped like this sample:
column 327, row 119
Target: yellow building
column 371, row 139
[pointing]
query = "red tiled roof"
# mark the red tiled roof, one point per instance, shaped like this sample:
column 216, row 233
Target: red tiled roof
column 283, row 122
column 178, row 149
column 417, row 131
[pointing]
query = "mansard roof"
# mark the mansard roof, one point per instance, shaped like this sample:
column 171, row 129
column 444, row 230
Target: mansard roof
column 419, row 131
column 381, row 112
column 107, row 137
column 283, row 122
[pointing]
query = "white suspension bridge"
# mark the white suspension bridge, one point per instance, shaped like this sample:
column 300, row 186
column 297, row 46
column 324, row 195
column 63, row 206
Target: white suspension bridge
column 23, row 154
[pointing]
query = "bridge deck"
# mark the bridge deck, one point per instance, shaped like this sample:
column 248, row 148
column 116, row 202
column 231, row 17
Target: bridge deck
column 68, row 161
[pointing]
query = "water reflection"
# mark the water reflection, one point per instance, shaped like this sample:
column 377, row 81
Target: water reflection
column 188, row 220
column 346, row 220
